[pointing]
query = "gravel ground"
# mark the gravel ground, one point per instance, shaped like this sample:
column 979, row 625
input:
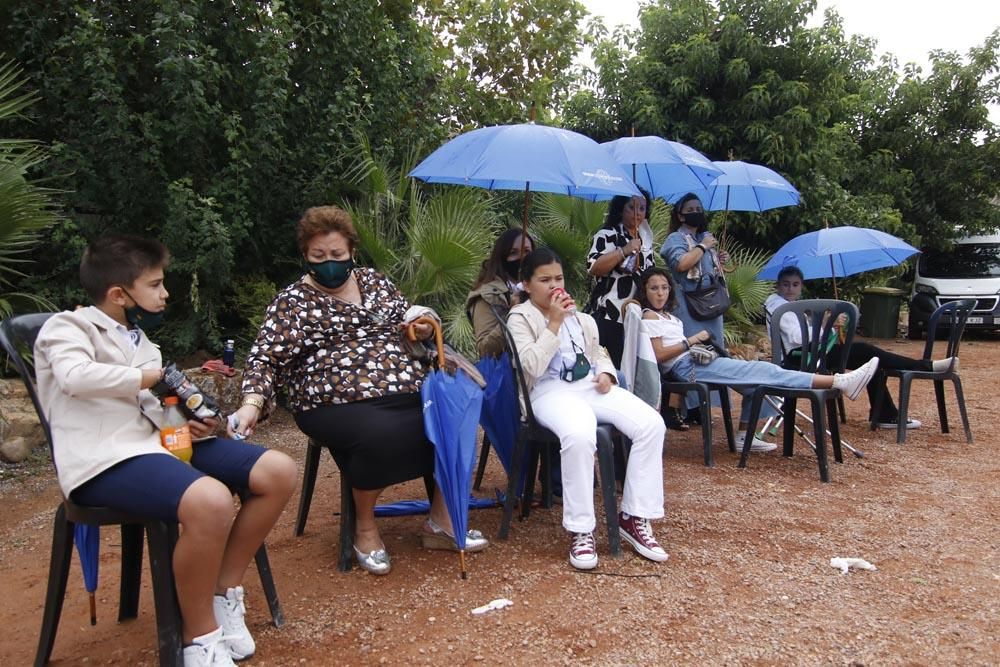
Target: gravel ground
column 748, row 580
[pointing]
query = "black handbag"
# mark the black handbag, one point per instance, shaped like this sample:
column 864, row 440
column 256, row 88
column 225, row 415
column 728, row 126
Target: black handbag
column 707, row 303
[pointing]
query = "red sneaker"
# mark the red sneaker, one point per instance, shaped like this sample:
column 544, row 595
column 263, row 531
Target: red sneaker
column 639, row 533
column 583, row 551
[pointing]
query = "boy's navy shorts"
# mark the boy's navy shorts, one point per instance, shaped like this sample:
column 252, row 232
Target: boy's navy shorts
column 152, row 484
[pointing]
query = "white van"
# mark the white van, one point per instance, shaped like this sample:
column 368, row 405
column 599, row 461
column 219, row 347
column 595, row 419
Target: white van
column 971, row 269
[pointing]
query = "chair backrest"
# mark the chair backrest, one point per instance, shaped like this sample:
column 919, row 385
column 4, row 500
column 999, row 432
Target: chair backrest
column 17, row 338
column 522, row 385
column 816, row 318
column 957, row 313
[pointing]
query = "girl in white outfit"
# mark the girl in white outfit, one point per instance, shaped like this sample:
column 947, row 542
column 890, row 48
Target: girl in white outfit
column 572, row 386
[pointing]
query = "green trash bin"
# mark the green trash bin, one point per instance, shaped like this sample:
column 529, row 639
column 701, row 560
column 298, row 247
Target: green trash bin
column 880, row 311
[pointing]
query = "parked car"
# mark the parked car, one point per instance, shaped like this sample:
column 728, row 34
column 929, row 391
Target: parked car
column 971, row 269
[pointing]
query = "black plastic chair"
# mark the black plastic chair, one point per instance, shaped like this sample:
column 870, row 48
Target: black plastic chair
column 17, row 337
column 536, row 443
column 704, row 391
column 952, row 316
column 348, row 512
column 816, row 318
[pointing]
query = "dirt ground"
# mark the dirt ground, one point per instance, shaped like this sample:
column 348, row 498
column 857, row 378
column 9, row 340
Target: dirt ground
column 748, row 582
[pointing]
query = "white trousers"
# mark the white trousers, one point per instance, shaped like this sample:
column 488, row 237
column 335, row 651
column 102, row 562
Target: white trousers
column 572, row 411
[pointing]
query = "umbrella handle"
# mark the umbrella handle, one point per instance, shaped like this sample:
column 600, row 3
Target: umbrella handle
column 411, row 334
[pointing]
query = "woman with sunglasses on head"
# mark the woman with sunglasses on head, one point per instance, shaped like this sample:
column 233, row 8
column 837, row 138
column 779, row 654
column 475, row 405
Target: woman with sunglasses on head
column 572, row 386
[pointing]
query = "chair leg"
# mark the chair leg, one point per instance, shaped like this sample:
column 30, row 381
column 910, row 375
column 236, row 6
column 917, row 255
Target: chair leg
column 705, row 405
column 62, row 554
column 820, row 420
column 751, row 428
column 606, row 464
column 788, row 430
column 960, row 397
column 842, row 409
column 516, row 470
column 162, row 537
column 545, row 475
column 727, row 416
column 133, row 535
column 832, row 406
column 347, row 524
column 484, row 454
column 942, row 408
column 267, row 583
column 308, row 484
column 531, row 473
column 904, row 407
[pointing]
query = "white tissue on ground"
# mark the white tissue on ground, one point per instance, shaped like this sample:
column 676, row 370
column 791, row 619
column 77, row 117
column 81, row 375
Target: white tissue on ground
column 499, row 603
column 845, row 564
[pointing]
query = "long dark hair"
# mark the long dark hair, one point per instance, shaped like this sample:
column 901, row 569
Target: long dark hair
column 646, row 276
column 493, row 265
column 617, row 206
column 675, row 221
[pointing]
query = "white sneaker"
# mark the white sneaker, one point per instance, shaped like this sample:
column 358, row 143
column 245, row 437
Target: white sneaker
column 852, row 383
column 229, row 613
column 208, row 651
column 910, row 423
column 757, row 445
column 942, row 365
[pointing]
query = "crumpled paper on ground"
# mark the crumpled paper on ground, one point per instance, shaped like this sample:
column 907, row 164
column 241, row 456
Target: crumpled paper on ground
column 845, row 564
column 499, row 603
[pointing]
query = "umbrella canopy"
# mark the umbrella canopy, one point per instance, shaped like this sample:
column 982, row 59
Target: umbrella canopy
column 744, row 187
column 529, row 157
column 452, row 404
column 663, row 167
column 838, row 252
column 87, row 539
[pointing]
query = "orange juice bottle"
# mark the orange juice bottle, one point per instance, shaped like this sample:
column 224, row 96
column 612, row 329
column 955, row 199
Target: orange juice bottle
column 175, row 435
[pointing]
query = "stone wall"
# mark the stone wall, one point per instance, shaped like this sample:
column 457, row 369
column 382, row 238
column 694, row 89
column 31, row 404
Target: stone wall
column 20, row 430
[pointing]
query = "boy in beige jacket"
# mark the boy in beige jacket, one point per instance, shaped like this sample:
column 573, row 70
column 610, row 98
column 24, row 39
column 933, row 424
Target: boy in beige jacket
column 95, row 367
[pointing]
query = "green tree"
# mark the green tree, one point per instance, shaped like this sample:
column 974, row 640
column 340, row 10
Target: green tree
column 502, row 56
column 26, row 207
column 212, row 125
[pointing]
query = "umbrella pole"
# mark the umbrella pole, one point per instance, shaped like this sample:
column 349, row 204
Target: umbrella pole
column 524, row 216
column 833, row 277
column 93, row 609
column 461, row 563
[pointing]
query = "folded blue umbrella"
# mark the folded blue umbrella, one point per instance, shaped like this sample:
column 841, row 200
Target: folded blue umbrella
column 500, row 414
column 411, row 507
column 87, row 539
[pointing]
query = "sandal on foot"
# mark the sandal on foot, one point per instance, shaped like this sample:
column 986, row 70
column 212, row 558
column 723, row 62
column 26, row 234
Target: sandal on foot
column 436, row 537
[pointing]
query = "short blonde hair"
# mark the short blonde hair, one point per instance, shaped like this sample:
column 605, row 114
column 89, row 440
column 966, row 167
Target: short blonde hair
column 323, row 220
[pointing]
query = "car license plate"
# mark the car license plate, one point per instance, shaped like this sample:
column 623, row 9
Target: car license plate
column 974, row 320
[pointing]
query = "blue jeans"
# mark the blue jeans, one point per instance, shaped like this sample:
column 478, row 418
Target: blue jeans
column 744, row 376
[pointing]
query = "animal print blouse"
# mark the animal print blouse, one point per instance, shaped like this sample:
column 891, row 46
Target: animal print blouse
column 612, row 290
column 324, row 350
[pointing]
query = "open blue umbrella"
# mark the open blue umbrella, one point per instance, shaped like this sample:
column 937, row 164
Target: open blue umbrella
column 744, row 187
column 87, row 539
column 663, row 167
column 452, row 404
column 838, row 252
column 528, row 157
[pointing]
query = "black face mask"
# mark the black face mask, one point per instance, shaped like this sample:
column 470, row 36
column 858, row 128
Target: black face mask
column 512, row 267
column 696, row 220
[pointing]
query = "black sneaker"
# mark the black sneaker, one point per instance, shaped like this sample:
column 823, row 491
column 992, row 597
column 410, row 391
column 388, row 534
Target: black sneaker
column 693, row 417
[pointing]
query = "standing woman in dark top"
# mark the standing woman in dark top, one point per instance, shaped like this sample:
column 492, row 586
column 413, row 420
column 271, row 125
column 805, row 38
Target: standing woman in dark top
column 333, row 340
column 621, row 251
